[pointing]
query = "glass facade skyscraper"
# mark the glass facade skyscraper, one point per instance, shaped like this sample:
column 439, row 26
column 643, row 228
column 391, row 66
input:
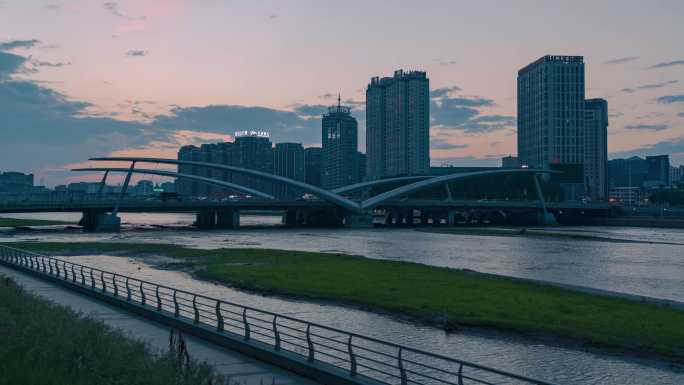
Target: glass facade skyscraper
column 398, row 125
column 339, row 160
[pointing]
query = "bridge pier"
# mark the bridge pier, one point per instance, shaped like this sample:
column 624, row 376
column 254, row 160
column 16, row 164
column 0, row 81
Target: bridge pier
column 98, row 220
column 293, row 217
column 228, row 219
column 218, row 219
column 451, row 217
column 358, row 221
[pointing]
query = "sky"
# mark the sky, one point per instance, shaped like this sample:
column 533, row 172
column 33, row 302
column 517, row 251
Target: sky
column 92, row 78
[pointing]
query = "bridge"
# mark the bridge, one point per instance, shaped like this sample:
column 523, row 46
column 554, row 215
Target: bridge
column 398, row 199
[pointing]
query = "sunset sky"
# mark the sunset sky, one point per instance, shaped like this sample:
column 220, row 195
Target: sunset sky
column 91, row 78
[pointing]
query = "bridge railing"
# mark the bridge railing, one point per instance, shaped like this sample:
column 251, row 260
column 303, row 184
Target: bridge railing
column 365, row 359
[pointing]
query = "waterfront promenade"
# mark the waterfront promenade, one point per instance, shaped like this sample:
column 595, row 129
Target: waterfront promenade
column 238, row 367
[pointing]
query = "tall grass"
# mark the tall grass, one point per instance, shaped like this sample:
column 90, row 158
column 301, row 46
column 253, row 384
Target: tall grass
column 43, row 343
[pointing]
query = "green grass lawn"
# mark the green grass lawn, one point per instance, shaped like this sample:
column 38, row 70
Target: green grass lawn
column 11, row 222
column 42, row 343
column 454, row 297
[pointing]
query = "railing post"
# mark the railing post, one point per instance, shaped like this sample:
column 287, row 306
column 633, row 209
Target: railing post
column 92, row 278
column 128, row 291
column 82, row 276
column 460, row 374
column 116, row 288
column 309, row 342
column 194, row 308
column 276, row 333
column 42, row 262
column 402, row 371
column 142, row 294
column 104, row 285
column 352, row 357
column 73, row 273
column 219, row 317
column 156, row 292
column 244, row 321
column 57, row 268
column 176, row 311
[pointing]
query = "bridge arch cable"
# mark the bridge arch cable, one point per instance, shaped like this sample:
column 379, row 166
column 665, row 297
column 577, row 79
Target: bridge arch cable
column 172, row 174
column 379, row 199
column 326, row 195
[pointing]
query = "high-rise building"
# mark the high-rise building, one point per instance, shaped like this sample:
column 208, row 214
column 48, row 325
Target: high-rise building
column 361, row 164
column 339, row 162
column 312, row 159
column 15, row 182
column 253, row 150
column 676, row 175
column 398, row 125
column 289, row 162
column 186, row 186
column 551, row 112
column 510, row 162
column 630, row 172
column 596, row 148
column 658, row 171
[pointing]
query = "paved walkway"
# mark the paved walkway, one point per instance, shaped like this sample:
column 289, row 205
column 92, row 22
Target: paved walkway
column 240, row 369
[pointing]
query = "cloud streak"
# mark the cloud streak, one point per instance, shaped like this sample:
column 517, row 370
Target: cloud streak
column 667, row 64
column 12, row 44
column 113, row 8
column 669, row 99
column 647, row 127
column 444, row 91
column 442, row 144
column 621, row 60
column 649, row 86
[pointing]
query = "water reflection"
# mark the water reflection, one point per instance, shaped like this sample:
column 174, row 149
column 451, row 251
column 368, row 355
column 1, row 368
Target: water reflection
column 563, row 365
column 650, row 269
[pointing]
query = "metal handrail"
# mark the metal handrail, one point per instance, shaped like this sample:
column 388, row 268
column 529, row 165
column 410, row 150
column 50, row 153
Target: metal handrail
column 215, row 313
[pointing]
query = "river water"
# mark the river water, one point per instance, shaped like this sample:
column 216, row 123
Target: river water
column 653, row 267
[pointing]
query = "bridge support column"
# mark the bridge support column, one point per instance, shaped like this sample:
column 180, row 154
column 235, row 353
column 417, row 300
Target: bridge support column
column 228, row 219
column 358, row 221
column 545, row 217
column 96, row 221
column 292, row 217
column 206, row 219
column 451, row 217
column 389, row 217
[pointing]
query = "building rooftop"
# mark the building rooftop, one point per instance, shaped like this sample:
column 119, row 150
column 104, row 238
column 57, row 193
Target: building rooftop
column 552, row 59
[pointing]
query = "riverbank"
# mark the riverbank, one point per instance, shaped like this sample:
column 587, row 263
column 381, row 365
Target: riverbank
column 443, row 297
column 14, row 222
column 567, row 234
column 48, row 344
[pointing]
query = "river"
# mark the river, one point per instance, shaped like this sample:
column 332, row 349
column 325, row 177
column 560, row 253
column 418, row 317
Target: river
column 653, row 267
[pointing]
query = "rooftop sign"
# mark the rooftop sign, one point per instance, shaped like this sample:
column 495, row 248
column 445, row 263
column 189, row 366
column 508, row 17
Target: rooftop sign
column 258, row 134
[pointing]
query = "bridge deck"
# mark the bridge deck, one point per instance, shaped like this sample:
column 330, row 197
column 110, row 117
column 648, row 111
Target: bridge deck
column 257, row 204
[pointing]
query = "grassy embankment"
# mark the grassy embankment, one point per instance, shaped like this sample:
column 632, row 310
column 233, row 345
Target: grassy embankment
column 12, row 222
column 448, row 297
column 43, row 343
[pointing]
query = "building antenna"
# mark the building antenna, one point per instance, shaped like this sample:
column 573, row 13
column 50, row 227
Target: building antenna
column 339, row 100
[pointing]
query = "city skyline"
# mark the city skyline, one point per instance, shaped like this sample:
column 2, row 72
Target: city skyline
column 135, row 84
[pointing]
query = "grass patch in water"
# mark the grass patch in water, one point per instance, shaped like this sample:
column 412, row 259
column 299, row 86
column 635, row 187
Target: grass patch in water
column 12, row 222
column 438, row 295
